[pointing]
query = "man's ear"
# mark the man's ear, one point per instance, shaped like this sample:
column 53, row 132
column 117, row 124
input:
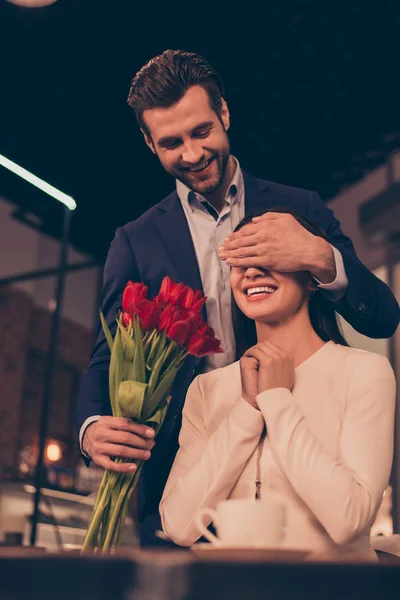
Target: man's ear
column 148, row 141
column 225, row 117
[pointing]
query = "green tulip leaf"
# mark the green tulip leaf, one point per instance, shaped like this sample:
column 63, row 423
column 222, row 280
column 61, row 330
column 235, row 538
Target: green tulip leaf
column 148, row 342
column 116, row 373
column 128, row 349
column 128, row 344
column 156, row 350
column 162, row 390
column 156, row 372
column 107, row 332
column 130, row 398
column 139, row 367
column 156, row 420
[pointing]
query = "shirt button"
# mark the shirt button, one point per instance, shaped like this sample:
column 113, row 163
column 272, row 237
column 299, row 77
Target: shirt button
column 362, row 308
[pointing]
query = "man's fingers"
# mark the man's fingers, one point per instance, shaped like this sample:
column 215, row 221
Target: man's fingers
column 270, row 216
column 241, row 252
column 253, row 228
column 110, row 465
column 126, row 438
column 240, row 241
column 246, row 230
column 124, row 451
column 250, row 261
column 120, row 423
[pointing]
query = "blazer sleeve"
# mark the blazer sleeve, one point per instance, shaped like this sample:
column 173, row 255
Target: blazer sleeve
column 368, row 304
column 206, row 467
column 120, row 267
column 344, row 492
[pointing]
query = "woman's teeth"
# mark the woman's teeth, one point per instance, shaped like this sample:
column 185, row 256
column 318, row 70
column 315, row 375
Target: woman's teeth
column 259, row 291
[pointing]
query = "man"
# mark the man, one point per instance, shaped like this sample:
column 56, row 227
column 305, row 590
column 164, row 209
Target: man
column 179, row 104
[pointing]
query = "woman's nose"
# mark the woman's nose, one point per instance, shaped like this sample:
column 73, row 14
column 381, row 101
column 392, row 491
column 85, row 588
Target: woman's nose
column 253, row 272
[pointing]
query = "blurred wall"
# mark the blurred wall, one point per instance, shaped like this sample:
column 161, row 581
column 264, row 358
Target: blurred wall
column 25, row 322
column 25, row 249
column 347, row 204
column 374, row 255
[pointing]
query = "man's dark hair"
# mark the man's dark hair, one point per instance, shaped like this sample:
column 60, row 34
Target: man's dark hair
column 321, row 310
column 165, row 79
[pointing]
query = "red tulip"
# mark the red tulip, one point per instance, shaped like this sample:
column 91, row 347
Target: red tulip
column 133, row 294
column 203, row 342
column 193, row 300
column 127, row 319
column 178, row 294
column 165, row 290
column 179, row 332
column 182, row 325
column 149, row 313
column 167, row 317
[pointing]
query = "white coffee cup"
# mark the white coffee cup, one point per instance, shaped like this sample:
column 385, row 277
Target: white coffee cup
column 244, row 523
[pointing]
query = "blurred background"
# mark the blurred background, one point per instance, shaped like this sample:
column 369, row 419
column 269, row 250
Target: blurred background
column 313, row 94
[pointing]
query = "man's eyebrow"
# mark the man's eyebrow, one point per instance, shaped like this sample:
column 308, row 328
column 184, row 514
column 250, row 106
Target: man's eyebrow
column 172, row 138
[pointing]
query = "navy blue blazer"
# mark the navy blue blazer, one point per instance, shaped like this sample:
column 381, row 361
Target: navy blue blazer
column 158, row 244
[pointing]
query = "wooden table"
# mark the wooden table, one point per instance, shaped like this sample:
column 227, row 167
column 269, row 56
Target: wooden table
column 181, row 575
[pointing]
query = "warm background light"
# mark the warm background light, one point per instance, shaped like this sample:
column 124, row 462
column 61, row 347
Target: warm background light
column 53, row 452
column 32, row 3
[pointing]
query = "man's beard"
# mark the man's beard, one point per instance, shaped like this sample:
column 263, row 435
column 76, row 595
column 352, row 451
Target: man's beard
column 210, row 184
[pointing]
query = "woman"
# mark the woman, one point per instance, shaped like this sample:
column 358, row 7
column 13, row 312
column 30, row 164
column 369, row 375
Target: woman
column 328, row 412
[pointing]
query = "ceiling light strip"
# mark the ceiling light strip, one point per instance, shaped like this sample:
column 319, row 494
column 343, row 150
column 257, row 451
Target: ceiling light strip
column 39, row 183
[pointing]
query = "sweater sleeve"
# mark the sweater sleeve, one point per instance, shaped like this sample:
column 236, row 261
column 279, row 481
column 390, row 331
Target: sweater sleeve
column 343, row 492
column 206, row 466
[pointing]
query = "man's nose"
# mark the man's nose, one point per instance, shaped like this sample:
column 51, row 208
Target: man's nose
column 192, row 154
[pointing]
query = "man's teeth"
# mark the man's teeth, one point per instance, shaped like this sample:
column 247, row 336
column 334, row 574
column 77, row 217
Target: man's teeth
column 202, row 166
column 260, row 290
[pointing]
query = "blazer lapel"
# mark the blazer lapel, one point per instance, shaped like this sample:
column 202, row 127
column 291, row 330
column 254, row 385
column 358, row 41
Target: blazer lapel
column 174, row 230
column 258, row 196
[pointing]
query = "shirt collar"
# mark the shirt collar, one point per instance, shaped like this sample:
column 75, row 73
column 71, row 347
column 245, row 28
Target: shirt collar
column 233, row 196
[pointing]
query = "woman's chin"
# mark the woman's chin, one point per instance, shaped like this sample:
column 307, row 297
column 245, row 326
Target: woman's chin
column 259, row 309
column 261, row 316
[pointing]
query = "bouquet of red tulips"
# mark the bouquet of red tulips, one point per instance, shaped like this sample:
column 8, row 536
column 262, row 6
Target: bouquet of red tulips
column 152, row 340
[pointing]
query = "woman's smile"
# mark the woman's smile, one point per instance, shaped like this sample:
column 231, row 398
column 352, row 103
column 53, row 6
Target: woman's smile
column 255, row 293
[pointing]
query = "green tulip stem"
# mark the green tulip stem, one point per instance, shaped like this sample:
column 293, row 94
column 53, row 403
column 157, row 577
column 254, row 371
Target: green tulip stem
column 125, row 505
column 116, row 513
column 93, row 530
column 102, row 499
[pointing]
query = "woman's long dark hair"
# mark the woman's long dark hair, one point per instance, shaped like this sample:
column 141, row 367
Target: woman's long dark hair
column 322, row 313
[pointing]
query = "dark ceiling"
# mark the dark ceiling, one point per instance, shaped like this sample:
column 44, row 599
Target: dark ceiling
column 312, row 87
